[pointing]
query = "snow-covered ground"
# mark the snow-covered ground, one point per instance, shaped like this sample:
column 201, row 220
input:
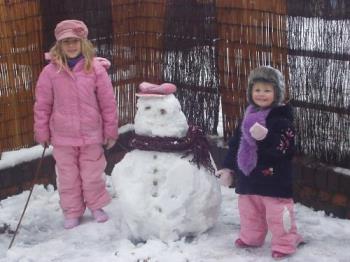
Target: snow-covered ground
column 42, row 238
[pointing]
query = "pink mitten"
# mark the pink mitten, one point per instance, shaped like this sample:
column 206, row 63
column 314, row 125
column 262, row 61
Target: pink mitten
column 225, row 176
column 258, row 131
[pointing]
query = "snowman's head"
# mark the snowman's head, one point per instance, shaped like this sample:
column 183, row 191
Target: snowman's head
column 160, row 116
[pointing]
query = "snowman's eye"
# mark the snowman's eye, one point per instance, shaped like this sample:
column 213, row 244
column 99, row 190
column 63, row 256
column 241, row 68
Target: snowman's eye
column 162, row 111
column 147, row 107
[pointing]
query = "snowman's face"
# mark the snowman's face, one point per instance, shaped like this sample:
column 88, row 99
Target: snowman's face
column 160, row 116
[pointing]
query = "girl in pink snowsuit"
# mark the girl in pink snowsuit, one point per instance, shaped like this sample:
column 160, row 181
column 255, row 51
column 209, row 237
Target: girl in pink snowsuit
column 75, row 111
column 259, row 156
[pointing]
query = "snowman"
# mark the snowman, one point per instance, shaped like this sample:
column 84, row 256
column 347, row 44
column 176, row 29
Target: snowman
column 165, row 186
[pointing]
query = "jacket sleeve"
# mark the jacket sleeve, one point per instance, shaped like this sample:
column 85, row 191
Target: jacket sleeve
column 43, row 107
column 279, row 142
column 107, row 102
column 233, row 145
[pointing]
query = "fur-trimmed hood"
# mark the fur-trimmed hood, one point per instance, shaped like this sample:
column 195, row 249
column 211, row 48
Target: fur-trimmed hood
column 270, row 75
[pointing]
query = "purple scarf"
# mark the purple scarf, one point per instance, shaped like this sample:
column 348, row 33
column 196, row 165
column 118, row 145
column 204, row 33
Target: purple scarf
column 247, row 151
column 194, row 143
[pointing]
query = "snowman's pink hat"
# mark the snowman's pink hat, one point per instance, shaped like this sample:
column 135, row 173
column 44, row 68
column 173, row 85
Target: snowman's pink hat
column 149, row 89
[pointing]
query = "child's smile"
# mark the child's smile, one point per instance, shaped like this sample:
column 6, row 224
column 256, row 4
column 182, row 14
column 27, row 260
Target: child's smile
column 263, row 94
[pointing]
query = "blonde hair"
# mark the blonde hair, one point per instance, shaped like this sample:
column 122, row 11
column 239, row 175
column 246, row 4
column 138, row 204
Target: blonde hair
column 87, row 50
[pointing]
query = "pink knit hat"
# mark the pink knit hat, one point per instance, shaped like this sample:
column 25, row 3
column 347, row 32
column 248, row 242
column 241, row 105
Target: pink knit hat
column 149, row 89
column 71, row 28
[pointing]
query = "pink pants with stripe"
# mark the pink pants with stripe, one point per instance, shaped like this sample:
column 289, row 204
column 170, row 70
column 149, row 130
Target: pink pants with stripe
column 258, row 214
column 80, row 178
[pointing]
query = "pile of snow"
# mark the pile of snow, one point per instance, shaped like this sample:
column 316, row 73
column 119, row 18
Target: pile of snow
column 42, row 238
column 163, row 195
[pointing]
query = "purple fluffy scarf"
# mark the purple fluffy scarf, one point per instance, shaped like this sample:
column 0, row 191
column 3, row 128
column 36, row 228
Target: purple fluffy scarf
column 247, row 151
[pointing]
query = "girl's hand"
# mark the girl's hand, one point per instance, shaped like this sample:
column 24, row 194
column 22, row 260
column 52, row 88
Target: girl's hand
column 109, row 143
column 258, row 132
column 225, row 176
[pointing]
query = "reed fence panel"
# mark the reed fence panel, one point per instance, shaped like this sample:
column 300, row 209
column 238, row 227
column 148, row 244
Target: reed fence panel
column 190, row 59
column 137, row 51
column 20, row 64
column 318, row 68
column 206, row 47
column 251, row 34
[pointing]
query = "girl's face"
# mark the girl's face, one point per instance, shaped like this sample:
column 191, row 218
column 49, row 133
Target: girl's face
column 263, row 94
column 71, row 47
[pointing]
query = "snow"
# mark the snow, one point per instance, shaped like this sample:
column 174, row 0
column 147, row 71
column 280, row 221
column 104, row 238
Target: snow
column 341, row 170
column 126, row 128
column 12, row 158
column 160, row 116
column 164, row 195
column 42, row 238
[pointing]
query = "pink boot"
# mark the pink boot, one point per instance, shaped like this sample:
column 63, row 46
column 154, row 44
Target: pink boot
column 71, row 222
column 278, row 255
column 99, row 215
column 240, row 244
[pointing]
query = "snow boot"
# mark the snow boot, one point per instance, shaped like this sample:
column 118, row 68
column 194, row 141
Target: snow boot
column 99, row 215
column 278, row 255
column 71, row 222
column 240, row 244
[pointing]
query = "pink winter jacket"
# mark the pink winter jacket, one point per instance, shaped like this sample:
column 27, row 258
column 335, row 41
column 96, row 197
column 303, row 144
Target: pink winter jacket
column 75, row 108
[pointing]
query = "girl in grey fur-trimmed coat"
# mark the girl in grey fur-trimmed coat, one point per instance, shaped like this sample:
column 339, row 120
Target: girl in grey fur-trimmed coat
column 259, row 156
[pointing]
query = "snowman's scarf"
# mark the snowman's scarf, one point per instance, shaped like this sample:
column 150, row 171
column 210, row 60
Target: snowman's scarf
column 247, row 151
column 194, row 143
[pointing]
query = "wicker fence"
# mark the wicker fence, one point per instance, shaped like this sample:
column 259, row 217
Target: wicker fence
column 318, row 64
column 205, row 47
column 251, row 33
column 20, row 64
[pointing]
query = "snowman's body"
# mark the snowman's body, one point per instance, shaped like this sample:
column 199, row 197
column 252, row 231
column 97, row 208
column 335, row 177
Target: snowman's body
column 162, row 194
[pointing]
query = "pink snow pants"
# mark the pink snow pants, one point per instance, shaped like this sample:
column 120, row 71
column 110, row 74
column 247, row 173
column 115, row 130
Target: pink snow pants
column 258, row 214
column 80, row 179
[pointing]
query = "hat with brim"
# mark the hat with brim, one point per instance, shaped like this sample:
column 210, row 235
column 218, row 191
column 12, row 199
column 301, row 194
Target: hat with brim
column 71, row 29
